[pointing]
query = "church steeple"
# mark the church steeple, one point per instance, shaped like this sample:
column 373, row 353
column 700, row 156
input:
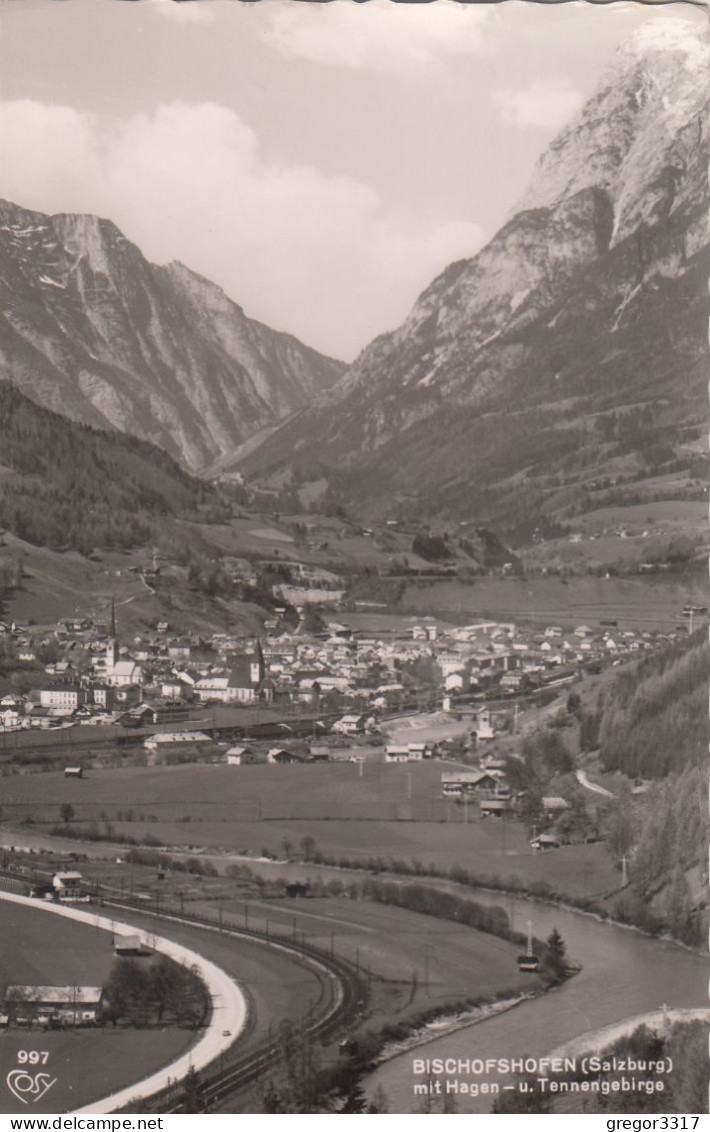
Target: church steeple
column 112, row 646
column 257, row 666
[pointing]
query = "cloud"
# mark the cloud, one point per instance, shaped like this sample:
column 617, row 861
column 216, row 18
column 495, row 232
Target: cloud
column 544, row 104
column 316, row 254
column 185, row 11
column 379, row 35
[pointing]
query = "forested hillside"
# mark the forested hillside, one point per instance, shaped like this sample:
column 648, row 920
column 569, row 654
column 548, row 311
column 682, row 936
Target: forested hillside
column 71, row 487
column 655, row 721
column 653, row 725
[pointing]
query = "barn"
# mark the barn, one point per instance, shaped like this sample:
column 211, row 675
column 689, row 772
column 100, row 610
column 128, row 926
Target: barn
column 67, row 1006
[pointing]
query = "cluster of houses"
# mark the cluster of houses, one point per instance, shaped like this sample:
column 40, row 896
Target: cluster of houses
column 96, row 678
column 513, row 656
column 487, row 786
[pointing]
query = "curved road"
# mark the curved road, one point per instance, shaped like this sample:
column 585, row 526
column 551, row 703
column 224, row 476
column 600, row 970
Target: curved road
column 229, row 1007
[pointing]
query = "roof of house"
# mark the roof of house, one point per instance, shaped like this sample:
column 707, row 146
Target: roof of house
column 59, row 995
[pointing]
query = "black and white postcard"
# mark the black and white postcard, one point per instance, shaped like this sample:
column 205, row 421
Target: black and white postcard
column 353, row 558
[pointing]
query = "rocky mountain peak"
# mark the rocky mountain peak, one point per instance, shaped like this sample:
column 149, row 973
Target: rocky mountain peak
column 591, row 296
column 91, row 329
column 633, row 132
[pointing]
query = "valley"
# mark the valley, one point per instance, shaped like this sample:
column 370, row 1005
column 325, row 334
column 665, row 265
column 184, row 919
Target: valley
column 380, row 686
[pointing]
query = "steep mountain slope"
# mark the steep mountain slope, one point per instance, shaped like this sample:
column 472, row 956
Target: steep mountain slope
column 90, row 328
column 69, row 486
column 574, row 345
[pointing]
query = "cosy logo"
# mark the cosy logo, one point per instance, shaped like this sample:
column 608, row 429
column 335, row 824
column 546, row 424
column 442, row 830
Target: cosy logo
column 27, row 1087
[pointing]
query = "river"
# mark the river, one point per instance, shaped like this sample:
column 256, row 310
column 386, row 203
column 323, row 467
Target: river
column 624, row 974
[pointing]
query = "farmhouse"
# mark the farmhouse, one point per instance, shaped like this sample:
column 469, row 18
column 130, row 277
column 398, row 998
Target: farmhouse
column 280, row 756
column 68, row 886
column 467, row 782
column 396, row 754
column 73, row 772
column 545, row 841
column 72, row 1006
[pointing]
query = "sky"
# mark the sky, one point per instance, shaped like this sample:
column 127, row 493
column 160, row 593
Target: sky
column 320, row 162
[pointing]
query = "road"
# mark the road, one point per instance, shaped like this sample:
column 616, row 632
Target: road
column 229, row 1007
column 584, row 781
column 624, row 974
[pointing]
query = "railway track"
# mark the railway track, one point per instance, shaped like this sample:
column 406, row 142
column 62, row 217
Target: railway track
column 344, row 992
column 344, row 995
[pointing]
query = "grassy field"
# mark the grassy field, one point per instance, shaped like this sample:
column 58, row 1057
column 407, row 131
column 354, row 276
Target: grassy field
column 244, row 810
column 413, row 962
column 637, row 603
column 220, row 793
column 88, row 1064
column 57, row 585
column 39, row 948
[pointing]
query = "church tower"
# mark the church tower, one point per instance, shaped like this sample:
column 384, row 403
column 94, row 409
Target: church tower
column 257, row 668
column 112, row 646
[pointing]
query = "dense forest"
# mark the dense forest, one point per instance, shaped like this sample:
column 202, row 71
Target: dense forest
column 655, row 719
column 71, row 487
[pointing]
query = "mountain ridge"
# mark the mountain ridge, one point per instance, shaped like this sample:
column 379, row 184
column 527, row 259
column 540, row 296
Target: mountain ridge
column 589, row 301
column 92, row 329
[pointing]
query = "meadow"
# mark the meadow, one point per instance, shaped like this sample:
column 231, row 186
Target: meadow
column 644, row 603
column 39, row 948
column 390, row 812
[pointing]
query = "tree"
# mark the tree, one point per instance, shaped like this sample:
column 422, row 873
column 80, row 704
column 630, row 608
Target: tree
column 287, row 847
column 308, row 847
column 66, row 812
column 355, row 1100
column 556, row 944
column 194, row 1098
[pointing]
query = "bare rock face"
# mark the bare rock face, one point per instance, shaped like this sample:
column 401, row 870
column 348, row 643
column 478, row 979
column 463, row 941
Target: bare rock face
column 590, row 299
column 91, row 329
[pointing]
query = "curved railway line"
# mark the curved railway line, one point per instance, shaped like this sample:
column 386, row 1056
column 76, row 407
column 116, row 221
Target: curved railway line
column 343, row 992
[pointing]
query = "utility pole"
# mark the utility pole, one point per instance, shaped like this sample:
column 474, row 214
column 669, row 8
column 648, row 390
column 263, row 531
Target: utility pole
column 529, row 949
column 409, row 785
column 624, row 872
